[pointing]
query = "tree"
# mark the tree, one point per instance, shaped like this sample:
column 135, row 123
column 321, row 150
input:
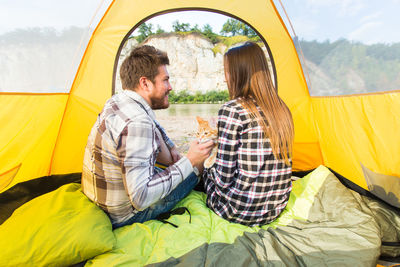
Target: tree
column 195, row 28
column 180, row 27
column 208, row 32
column 159, row 29
column 230, row 27
column 246, row 30
column 145, row 30
column 234, row 27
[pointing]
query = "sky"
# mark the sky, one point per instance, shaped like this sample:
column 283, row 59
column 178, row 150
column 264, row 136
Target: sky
column 372, row 21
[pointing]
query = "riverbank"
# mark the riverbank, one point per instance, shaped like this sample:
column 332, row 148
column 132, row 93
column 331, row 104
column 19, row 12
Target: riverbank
column 179, row 121
column 180, row 129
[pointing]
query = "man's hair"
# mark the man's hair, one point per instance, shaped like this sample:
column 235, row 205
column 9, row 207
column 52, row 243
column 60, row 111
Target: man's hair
column 143, row 61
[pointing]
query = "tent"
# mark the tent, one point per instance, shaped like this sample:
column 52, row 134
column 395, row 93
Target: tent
column 43, row 135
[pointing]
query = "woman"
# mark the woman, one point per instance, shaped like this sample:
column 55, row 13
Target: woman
column 250, row 181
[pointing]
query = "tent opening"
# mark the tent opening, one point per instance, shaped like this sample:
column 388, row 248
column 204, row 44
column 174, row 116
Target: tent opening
column 195, row 42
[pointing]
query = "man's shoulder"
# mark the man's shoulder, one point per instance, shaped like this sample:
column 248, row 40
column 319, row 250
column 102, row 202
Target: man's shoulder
column 123, row 106
column 119, row 111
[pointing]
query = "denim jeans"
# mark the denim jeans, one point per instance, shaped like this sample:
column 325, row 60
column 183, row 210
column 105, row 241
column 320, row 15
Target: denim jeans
column 165, row 204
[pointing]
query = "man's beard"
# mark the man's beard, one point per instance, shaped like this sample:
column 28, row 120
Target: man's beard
column 157, row 103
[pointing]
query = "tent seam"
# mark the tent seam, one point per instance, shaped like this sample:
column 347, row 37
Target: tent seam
column 361, row 94
column 73, row 87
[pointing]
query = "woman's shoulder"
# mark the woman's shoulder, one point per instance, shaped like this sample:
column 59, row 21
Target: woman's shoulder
column 234, row 110
column 232, row 105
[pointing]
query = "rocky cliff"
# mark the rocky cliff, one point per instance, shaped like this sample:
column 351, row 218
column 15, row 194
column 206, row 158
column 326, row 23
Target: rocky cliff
column 194, row 66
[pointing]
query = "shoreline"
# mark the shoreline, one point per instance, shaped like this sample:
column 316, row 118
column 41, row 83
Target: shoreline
column 181, row 130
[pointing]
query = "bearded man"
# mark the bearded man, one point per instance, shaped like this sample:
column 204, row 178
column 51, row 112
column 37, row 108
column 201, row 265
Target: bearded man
column 119, row 169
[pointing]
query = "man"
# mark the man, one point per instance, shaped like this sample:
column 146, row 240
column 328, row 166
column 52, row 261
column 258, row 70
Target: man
column 119, row 172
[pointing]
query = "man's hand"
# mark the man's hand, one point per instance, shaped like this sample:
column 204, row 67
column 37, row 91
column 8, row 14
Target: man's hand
column 175, row 154
column 198, row 153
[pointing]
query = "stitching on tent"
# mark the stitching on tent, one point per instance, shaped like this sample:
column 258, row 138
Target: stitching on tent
column 361, row 94
column 73, row 84
column 27, row 93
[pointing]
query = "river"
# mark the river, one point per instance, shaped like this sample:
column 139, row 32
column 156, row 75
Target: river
column 184, row 110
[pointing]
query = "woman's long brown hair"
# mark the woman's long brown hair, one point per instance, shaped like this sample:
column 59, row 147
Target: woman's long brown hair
column 249, row 80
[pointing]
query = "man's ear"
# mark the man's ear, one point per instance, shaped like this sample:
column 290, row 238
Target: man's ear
column 143, row 83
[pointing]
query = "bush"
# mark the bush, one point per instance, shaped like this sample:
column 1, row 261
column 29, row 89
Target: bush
column 198, row 97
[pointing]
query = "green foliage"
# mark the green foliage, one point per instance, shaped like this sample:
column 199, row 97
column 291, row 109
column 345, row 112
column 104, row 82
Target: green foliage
column 159, row 29
column 230, row 27
column 316, row 51
column 186, row 28
column 377, row 65
column 219, row 48
column 208, row 32
column 384, row 51
column 180, row 27
column 230, row 41
column 240, row 32
column 195, row 28
column 198, row 97
column 145, row 30
column 233, row 27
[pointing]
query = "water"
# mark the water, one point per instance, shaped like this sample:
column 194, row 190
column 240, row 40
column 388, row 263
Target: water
column 184, row 110
column 179, row 121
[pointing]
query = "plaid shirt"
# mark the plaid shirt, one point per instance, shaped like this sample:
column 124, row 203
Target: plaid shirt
column 247, row 184
column 118, row 168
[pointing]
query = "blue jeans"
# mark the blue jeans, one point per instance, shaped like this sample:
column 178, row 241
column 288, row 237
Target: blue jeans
column 165, row 204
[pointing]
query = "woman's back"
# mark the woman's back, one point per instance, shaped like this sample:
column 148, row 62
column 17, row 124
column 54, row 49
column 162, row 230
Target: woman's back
column 247, row 184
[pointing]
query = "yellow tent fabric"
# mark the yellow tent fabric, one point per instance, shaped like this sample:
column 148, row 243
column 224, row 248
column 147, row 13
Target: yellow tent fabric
column 30, row 124
column 362, row 129
column 47, row 133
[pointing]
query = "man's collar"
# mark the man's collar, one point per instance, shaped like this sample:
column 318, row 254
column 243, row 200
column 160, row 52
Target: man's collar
column 141, row 100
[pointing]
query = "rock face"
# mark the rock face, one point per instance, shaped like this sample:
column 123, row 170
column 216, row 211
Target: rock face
column 193, row 65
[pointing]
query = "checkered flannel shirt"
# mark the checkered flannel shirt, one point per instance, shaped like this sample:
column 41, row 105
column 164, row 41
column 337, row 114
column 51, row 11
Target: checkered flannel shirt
column 118, row 169
column 247, row 184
